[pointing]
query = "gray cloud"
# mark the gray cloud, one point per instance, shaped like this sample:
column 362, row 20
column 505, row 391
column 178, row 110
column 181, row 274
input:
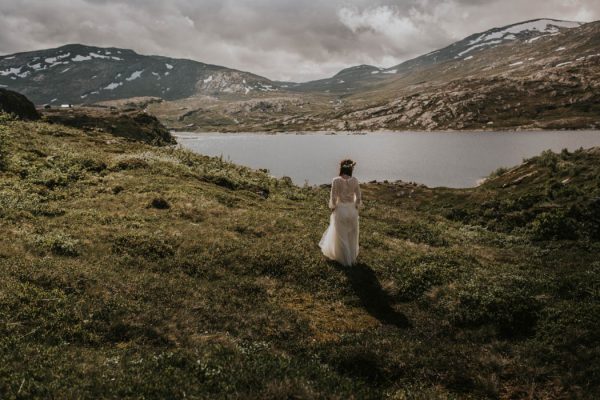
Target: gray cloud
column 280, row 39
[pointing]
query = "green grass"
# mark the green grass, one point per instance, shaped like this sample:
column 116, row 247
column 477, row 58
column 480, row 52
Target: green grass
column 133, row 271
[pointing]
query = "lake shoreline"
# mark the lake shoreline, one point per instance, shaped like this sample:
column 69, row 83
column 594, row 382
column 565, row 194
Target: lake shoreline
column 177, row 132
column 435, row 159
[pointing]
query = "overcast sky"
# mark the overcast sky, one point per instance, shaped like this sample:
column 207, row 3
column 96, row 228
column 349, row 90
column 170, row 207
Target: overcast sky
column 295, row 40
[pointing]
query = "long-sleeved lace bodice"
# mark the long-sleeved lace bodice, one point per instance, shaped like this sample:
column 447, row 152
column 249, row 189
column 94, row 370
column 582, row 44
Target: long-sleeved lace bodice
column 344, row 191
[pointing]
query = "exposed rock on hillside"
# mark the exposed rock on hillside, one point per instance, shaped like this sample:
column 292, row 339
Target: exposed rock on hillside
column 17, row 104
column 133, row 125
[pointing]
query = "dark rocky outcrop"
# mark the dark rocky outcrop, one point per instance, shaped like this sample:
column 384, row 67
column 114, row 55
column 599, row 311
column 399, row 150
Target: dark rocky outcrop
column 135, row 125
column 18, row 105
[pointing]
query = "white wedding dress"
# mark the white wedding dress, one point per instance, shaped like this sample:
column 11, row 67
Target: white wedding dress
column 340, row 240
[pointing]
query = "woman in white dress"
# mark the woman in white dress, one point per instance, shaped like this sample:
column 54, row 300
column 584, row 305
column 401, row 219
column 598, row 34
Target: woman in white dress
column 340, row 240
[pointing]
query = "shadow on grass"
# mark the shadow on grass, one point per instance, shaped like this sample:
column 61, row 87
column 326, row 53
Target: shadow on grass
column 373, row 297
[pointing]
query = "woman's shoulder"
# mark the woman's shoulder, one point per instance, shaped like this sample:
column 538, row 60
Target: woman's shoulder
column 341, row 179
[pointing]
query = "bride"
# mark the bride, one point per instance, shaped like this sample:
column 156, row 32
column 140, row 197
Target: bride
column 340, row 240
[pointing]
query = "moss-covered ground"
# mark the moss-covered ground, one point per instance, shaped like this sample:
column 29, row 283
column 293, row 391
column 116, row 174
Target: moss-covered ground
column 133, row 271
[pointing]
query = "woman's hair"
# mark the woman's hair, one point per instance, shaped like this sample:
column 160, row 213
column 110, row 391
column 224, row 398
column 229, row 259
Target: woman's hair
column 346, row 167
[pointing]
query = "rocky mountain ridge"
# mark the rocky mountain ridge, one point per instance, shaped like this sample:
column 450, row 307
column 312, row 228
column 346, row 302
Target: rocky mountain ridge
column 84, row 74
column 551, row 82
column 538, row 74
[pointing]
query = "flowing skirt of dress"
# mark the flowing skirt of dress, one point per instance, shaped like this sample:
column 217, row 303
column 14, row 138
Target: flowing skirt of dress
column 340, row 240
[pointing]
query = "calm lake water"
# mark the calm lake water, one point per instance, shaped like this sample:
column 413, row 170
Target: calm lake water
column 456, row 159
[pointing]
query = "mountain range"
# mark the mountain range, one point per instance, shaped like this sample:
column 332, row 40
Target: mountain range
column 535, row 74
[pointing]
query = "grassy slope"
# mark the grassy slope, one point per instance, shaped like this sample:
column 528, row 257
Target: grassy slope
column 225, row 293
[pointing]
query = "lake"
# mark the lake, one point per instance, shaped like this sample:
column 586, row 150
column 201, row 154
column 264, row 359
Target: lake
column 451, row 159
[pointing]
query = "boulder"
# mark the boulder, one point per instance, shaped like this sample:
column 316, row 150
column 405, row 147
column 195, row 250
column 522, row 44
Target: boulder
column 18, row 105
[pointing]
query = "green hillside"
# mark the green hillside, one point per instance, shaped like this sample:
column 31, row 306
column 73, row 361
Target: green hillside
column 135, row 271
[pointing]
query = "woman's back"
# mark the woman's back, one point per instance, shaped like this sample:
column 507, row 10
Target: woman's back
column 345, row 190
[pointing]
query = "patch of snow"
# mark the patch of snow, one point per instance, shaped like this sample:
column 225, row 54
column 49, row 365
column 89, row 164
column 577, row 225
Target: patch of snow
column 117, row 58
column 83, row 96
column 64, row 70
column 462, row 53
column 96, row 55
column 374, row 72
column 11, row 71
column 134, row 76
column 79, row 58
column 209, row 79
column 53, row 60
column 9, row 58
column 515, row 64
column 535, row 38
column 58, row 63
column 530, row 59
column 565, row 63
column 118, row 75
column 37, row 66
column 341, row 81
column 95, row 92
column 24, row 74
column 246, row 90
column 167, row 73
column 169, row 66
column 541, row 26
column 113, row 86
column 468, row 58
column 391, row 71
column 53, row 100
column 266, row 88
column 561, row 49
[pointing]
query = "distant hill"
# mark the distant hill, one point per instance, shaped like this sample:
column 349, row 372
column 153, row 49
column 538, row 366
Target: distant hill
column 537, row 74
column 355, row 78
column 83, row 74
column 541, row 74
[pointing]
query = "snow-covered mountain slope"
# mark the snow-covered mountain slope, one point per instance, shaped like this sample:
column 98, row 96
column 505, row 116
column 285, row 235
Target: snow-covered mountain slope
column 527, row 31
column 83, row 74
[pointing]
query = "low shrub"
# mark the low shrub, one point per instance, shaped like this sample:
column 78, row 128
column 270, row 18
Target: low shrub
column 154, row 247
column 57, row 243
column 554, row 225
column 418, row 232
column 3, row 148
column 417, row 277
column 504, row 301
column 130, row 163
